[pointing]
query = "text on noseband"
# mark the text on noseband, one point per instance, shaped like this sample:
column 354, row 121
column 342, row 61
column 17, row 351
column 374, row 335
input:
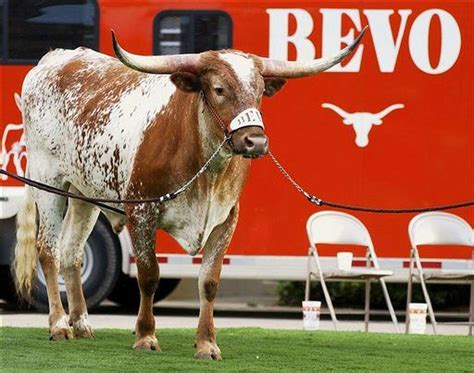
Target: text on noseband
column 247, row 118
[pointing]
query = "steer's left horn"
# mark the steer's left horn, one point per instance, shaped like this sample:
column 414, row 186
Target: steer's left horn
column 299, row 69
column 157, row 64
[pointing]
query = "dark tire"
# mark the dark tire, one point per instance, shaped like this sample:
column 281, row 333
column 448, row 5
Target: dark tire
column 101, row 268
column 7, row 244
column 127, row 294
column 7, row 286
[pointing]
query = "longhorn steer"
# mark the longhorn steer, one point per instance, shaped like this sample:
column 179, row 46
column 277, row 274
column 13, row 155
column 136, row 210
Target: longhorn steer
column 100, row 128
column 362, row 122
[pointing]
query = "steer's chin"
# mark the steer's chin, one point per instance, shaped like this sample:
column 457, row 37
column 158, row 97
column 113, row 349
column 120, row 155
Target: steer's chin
column 254, row 155
column 251, row 154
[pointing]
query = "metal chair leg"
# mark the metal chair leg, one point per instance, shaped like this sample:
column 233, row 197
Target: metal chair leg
column 367, row 305
column 308, row 273
column 409, row 294
column 328, row 301
column 428, row 301
column 307, row 287
column 325, row 289
column 389, row 304
column 425, row 292
column 471, row 309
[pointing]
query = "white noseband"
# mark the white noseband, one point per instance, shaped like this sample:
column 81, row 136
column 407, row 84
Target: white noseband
column 247, row 118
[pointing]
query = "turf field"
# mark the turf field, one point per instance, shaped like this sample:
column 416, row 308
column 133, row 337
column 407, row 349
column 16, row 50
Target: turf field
column 243, row 349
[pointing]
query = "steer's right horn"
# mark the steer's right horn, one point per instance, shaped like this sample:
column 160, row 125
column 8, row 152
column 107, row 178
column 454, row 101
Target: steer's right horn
column 299, row 69
column 157, row 64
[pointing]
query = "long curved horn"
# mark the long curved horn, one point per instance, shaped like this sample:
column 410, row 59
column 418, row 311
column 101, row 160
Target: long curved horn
column 385, row 111
column 157, row 64
column 299, row 69
column 337, row 109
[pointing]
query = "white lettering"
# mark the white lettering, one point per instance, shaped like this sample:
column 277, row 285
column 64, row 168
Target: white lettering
column 279, row 37
column 419, row 41
column 332, row 38
column 387, row 42
column 386, row 48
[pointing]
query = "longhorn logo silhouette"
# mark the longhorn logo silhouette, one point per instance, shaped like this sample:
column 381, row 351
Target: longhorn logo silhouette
column 362, row 122
column 16, row 152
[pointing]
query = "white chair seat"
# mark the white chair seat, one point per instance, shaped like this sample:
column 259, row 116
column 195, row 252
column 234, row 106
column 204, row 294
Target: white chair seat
column 357, row 274
column 449, row 275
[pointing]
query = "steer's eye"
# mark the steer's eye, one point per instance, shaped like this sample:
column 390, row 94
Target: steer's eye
column 219, row 91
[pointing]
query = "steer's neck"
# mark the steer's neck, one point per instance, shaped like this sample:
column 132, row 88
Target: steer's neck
column 176, row 144
column 211, row 135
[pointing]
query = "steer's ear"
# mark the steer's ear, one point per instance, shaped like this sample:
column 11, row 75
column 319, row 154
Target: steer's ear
column 185, row 81
column 273, row 85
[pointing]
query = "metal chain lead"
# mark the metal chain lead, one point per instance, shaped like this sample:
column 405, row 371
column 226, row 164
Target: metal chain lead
column 298, row 187
column 169, row 196
column 161, row 199
column 100, row 201
column 317, row 201
column 203, row 168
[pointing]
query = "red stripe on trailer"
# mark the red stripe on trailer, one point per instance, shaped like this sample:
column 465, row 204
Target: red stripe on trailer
column 159, row 259
column 359, row 263
column 406, row 264
column 198, row 260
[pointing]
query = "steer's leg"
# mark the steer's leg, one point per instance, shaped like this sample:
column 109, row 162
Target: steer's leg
column 51, row 211
column 209, row 279
column 142, row 231
column 78, row 224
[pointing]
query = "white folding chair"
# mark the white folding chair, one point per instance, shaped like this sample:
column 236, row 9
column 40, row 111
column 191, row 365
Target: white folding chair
column 333, row 227
column 438, row 228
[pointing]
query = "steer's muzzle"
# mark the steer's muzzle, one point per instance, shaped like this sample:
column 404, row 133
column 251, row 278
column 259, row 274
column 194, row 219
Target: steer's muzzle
column 250, row 142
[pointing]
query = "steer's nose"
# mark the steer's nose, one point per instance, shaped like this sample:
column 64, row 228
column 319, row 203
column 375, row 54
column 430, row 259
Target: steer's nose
column 256, row 145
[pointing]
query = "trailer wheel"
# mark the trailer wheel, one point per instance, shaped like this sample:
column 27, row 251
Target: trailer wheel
column 127, row 294
column 7, row 286
column 99, row 272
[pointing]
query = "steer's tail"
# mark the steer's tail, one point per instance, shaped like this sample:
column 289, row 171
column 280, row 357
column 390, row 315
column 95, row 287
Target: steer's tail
column 24, row 265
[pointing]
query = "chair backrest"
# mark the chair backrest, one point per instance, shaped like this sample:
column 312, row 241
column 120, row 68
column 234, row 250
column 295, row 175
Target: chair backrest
column 439, row 228
column 333, row 227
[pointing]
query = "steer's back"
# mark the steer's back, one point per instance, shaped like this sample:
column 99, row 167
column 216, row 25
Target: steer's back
column 85, row 114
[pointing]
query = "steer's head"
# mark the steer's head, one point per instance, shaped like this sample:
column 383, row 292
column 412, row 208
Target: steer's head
column 232, row 84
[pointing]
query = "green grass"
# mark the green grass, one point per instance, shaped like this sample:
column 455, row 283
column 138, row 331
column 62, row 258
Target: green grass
column 244, row 350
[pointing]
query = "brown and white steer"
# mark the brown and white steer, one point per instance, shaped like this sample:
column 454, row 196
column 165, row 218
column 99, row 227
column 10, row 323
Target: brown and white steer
column 111, row 129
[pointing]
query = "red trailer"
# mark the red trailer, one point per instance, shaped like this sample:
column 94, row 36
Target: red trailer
column 390, row 127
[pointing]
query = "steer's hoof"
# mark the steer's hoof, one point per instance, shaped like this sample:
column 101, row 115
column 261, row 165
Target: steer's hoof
column 149, row 343
column 61, row 334
column 84, row 332
column 208, row 351
column 82, row 328
column 60, row 329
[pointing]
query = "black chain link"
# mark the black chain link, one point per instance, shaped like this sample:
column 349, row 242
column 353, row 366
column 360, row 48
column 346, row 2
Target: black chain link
column 319, row 202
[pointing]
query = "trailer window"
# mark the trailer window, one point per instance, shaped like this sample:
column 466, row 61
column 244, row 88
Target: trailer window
column 182, row 31
column 35, row 26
